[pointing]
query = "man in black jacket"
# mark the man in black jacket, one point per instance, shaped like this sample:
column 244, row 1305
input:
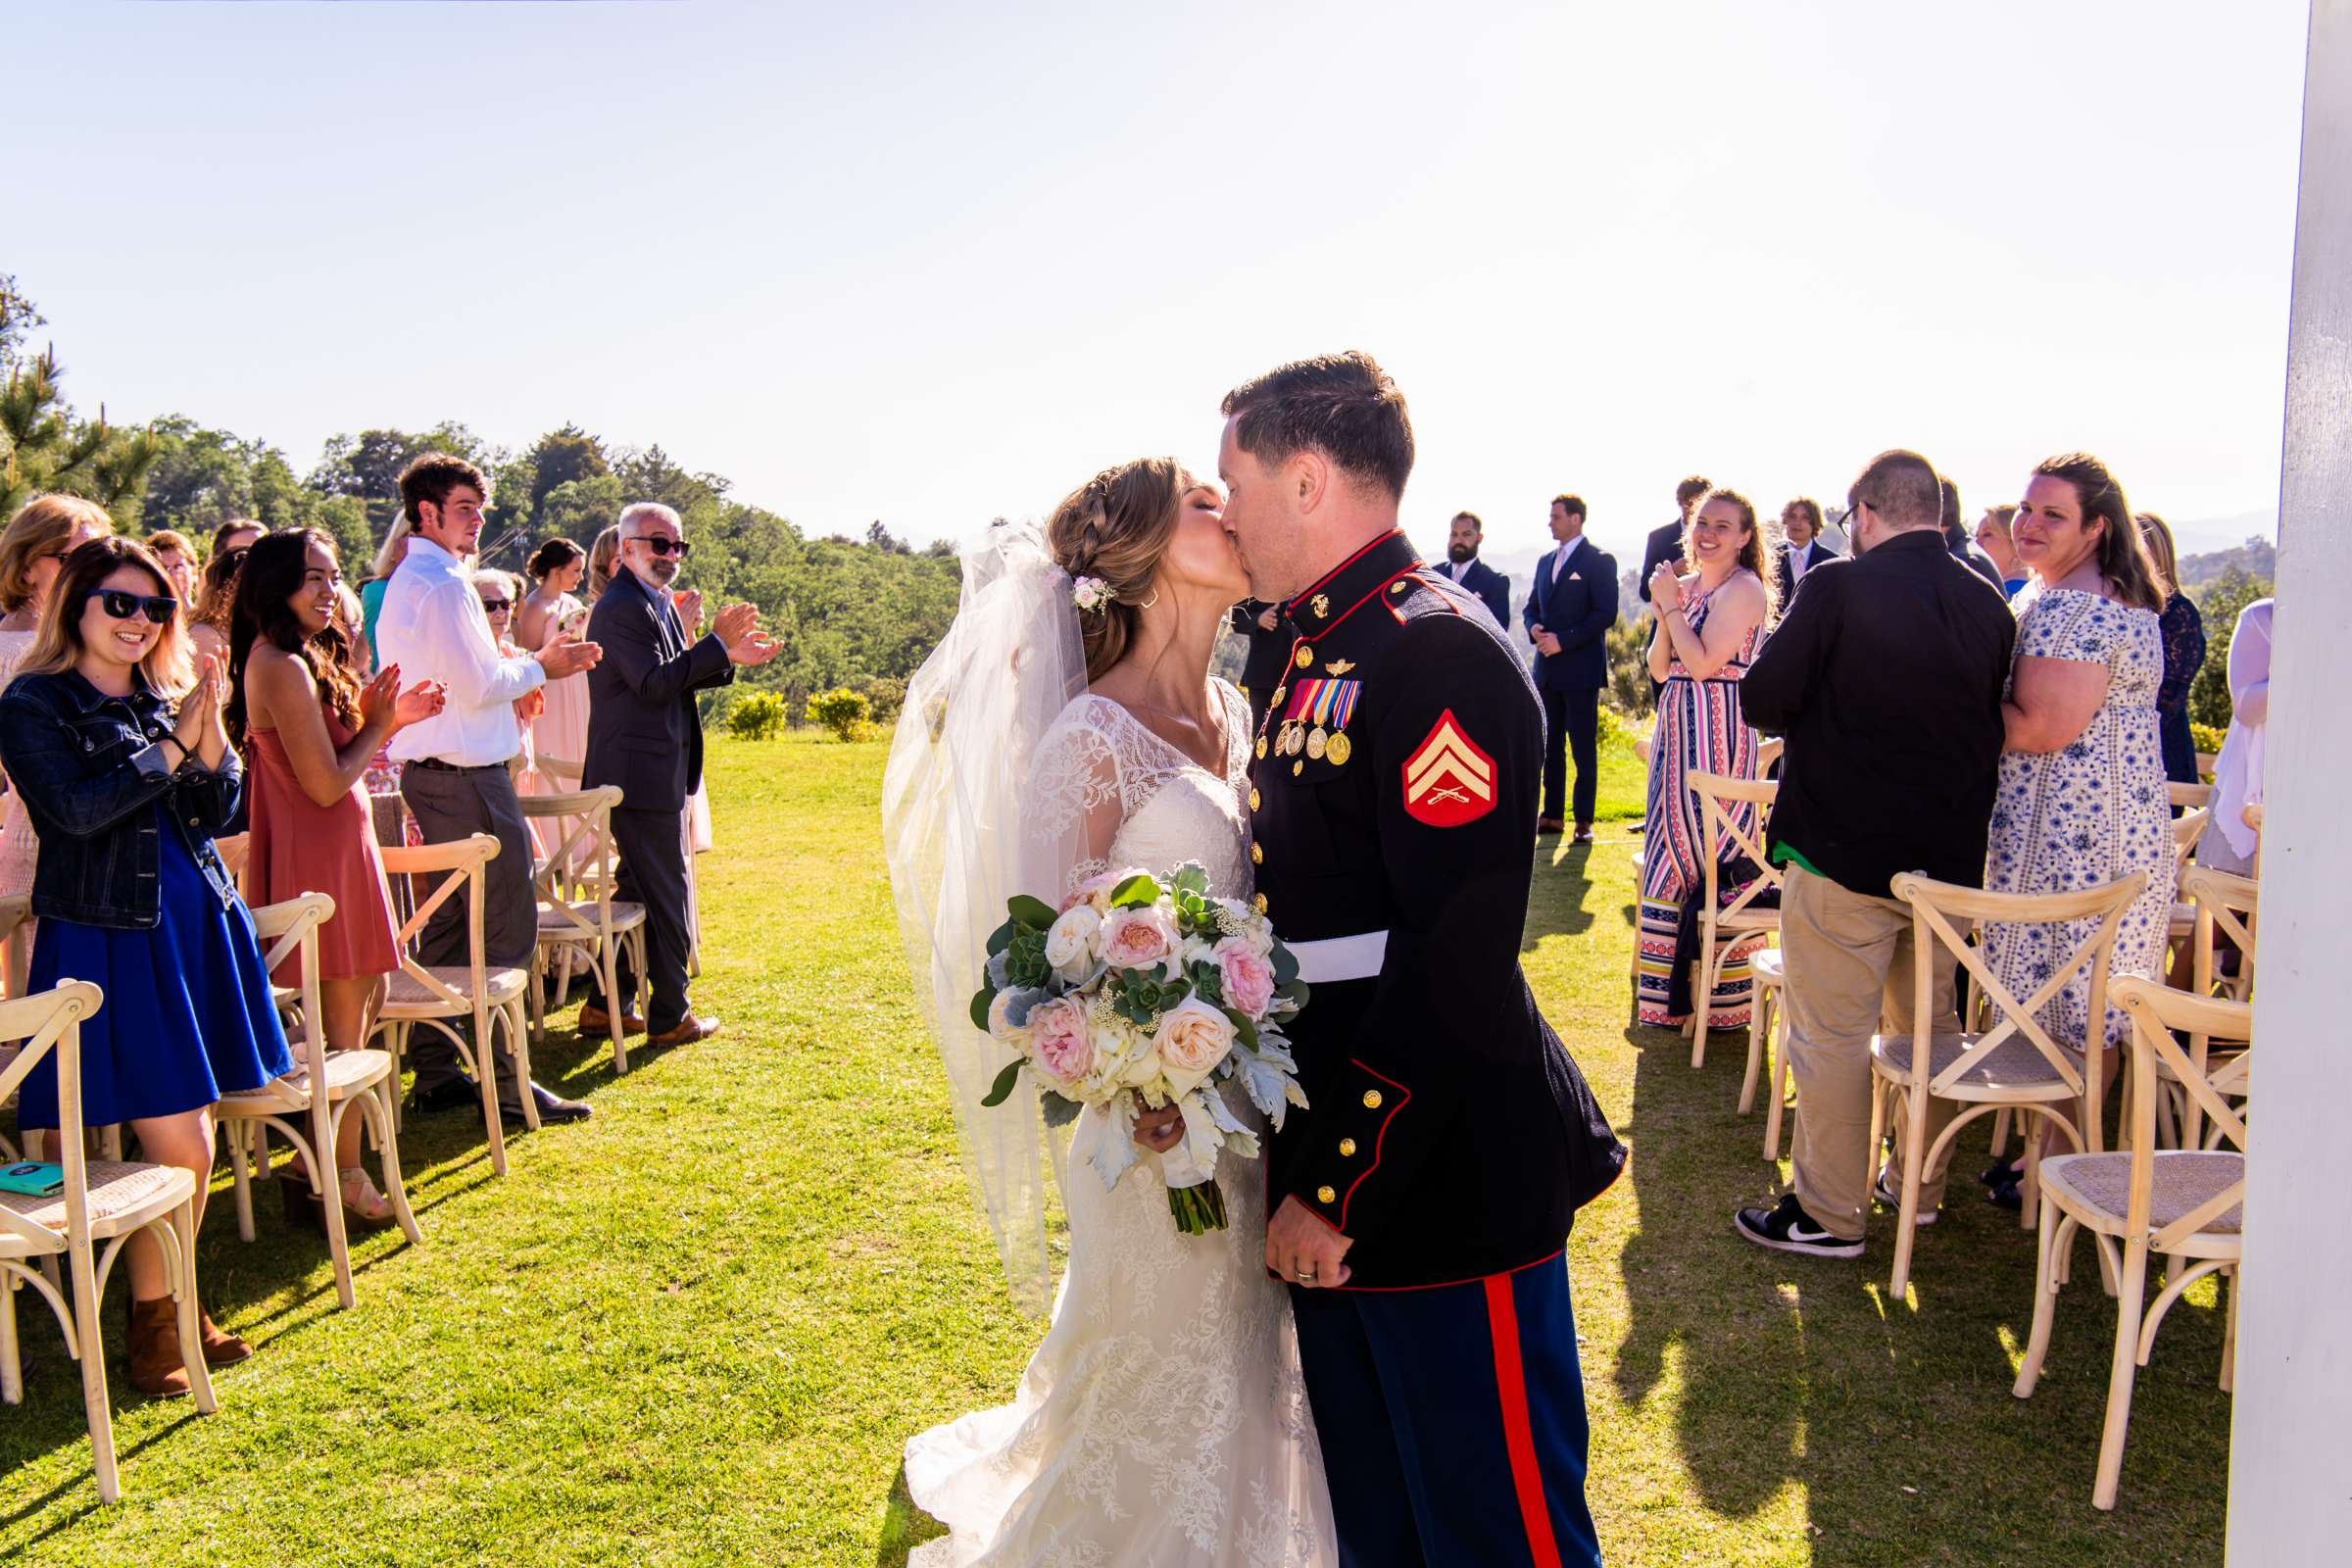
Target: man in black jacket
column 1463, row 537
column 644, row 735
column 1886, row 676
column 1570, row 605
column 1804, row 548
column 1666, row 540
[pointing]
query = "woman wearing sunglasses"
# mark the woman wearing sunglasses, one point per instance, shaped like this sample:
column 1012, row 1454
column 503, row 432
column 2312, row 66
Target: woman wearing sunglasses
column 120, row 753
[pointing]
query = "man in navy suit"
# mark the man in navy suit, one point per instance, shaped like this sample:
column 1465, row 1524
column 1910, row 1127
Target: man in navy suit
column 1464, row 567
column 1570, row 608
column 643, row 735
column 1665, row 541
column 1800, row 527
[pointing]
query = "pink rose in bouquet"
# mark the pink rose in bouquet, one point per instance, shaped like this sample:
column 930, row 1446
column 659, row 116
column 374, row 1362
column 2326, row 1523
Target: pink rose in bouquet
column 1246, row 975
column 1059, row 1040
column 1138, row 938
column 1193, row 1037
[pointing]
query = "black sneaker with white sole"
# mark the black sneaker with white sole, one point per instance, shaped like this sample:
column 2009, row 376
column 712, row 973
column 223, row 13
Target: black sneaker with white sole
column 1886, row 1192
column 1790, row 1229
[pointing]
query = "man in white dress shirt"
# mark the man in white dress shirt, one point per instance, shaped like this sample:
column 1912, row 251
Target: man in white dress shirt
column 454, row 771
column 1462, row 541
column 1801, row 525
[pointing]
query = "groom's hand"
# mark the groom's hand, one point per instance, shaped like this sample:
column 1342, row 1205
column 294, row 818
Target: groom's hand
column 1303, row 1250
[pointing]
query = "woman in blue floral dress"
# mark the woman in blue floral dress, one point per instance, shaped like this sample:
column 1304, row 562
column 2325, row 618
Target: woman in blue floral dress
column 2082, row 798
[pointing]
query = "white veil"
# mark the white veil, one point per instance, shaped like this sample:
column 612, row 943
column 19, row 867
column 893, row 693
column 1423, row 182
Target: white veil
column 954, row 803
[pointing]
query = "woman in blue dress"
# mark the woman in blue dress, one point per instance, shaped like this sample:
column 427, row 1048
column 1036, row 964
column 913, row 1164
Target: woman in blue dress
column 118, row 750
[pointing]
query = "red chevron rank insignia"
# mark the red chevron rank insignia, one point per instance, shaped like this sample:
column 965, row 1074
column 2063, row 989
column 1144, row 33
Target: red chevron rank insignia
column 1447, row 780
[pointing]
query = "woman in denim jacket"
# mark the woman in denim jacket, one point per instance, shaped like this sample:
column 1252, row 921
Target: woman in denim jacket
column 127, row 794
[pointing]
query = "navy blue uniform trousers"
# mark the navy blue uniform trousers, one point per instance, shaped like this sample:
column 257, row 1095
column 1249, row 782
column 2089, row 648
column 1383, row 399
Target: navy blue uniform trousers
column 1452, row 1421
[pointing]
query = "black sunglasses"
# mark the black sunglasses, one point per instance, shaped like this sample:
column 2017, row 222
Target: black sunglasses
column 492, row 607
column 123, row 604
column 666, row 547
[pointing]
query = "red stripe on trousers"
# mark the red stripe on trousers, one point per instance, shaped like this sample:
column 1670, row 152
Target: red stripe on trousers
column 1518, row 1434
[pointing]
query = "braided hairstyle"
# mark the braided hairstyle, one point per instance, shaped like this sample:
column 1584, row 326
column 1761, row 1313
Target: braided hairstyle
column 1115, row 527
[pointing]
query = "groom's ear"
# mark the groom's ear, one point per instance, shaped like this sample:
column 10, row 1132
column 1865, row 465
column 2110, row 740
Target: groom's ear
column 1311, row 476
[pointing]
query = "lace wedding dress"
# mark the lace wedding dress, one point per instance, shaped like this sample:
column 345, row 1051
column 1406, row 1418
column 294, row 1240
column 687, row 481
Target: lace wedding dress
column 1163, row 1422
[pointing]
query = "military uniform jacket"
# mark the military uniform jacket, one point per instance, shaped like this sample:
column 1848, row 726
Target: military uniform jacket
column 1448, row 1132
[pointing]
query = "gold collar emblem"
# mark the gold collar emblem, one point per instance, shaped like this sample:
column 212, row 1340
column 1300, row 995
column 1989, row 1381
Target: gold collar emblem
column 1321, row 605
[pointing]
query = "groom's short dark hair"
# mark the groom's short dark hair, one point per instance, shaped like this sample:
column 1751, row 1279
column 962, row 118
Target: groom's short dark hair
column 1342, row 405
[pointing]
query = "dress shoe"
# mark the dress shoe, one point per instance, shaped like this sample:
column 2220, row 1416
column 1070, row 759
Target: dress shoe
column 689, row 1030
column 595, row 1020
column 1550, row 824
column 455, row 1095
column 553, row 1109
column 156, row 1369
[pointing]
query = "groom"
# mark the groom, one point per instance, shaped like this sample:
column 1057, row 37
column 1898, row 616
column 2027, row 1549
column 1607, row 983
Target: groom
column 1418, row 1206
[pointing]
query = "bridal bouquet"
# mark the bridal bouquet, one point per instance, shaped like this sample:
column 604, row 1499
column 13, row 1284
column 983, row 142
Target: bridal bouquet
column 1142, row 991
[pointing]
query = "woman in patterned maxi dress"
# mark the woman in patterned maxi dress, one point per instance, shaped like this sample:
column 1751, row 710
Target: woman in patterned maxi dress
column 1709, row 626
column 2083, row 799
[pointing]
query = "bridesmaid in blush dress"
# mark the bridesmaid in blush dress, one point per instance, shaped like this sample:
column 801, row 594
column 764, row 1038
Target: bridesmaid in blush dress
column 311, row 730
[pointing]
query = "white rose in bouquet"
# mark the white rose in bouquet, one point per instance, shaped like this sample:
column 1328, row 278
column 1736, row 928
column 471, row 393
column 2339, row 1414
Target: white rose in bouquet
column 1071, row 943
column 1193, row 1037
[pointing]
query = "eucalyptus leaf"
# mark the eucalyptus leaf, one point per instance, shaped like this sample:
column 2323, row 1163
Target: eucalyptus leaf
column 981, row 1001
column 1135, row 892
column 1000, row 1091
column 1060, row 1109
column 1031, row 913
column 1001, row 938
column 1286, row 965
column 1242, row 1029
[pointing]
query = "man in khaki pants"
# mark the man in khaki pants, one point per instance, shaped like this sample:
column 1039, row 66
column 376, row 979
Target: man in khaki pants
column 1887, row 680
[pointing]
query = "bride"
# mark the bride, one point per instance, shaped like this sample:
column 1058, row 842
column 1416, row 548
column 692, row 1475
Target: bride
column 1162, row 1421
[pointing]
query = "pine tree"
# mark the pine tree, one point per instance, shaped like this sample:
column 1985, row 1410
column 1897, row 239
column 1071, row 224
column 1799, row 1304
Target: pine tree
column 44, row 447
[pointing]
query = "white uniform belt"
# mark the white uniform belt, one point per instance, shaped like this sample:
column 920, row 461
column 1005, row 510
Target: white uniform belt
column 1337, row 958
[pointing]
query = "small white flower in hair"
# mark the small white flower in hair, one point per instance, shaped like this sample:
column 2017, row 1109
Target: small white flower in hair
column 1090, row 594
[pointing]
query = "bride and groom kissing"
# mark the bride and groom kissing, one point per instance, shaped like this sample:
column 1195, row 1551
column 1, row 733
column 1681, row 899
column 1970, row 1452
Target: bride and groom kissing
column 1375, row 1361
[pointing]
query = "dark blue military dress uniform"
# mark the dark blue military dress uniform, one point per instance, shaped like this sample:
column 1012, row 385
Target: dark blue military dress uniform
column 1448, row 1133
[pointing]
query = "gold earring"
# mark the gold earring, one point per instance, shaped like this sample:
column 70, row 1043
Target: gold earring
column 1149, row 603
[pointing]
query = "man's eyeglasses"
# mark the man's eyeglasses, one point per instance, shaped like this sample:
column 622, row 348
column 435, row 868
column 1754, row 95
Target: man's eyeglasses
column 496, row 607
column 123, row 604
column 665, row 546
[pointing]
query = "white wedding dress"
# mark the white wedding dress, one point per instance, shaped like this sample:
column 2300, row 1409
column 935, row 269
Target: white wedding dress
column 1163, row 1422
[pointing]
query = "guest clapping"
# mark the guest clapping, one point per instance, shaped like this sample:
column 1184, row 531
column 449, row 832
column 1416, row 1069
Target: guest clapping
column 1709, row 624
column 310, row 731
column 552, row 608
column 2080, row 723
column 126, row 793
column 455, row 775
column 644, row 735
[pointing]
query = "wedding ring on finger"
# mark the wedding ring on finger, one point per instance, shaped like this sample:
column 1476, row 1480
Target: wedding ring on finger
column 1306, row 1277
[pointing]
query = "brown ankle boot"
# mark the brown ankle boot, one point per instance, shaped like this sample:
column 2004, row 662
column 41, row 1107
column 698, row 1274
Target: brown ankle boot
column 155, row 1365
column 221, row 1348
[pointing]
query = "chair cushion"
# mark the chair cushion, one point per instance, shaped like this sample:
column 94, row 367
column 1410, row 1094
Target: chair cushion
column 409, row 995
column 122, row 1192
column 2101, row 1184
column 2014, row 1066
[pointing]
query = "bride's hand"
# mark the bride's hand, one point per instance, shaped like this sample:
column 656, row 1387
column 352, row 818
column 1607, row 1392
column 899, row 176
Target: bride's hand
column 1160, row 1130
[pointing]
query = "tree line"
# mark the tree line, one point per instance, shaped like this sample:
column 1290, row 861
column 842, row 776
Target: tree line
column 856, row 612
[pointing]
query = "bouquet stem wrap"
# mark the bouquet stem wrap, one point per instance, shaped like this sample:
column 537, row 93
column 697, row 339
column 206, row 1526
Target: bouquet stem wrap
column 1195, row 1200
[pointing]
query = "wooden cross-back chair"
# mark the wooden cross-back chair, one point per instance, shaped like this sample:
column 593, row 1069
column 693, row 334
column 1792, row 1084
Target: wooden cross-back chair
column 308, row 1105
column 577, row 913
column 105, row 1201
column 564, row 771
column 2015, row 1063
column 2185, row 1202
column 491, row 998
column 1727, row 926
column 2189, row 797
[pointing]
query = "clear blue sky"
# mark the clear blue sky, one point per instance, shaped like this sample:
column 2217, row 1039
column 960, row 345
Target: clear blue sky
column 929, row 264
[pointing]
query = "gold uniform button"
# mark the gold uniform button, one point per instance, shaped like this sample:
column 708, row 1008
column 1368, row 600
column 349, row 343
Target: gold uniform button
column 1257, row 855
column 1261, row 748
column 1259, row 902
column 1347, row 1145
column 1254, row 799
column 1371, row 1100
column 1280, row 692
column 1399, row 587
column 1306, row 656
column 1324, row 1195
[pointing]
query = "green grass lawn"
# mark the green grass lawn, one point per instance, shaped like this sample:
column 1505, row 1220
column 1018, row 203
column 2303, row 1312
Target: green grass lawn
column 699, row 1328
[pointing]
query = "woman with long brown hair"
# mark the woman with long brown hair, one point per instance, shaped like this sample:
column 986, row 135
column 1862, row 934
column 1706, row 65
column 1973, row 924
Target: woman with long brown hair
column 310, row 729
column 1710, row 623
column 121, row 753
column 2081, row 718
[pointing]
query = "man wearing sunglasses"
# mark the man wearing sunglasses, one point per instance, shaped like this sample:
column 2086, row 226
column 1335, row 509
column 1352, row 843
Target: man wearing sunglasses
column 645, row 736
column 453, row 767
